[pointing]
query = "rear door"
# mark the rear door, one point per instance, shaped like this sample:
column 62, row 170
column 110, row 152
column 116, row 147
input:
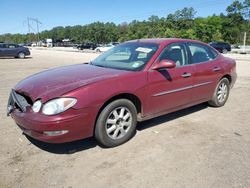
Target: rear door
column 207, row 71
column 170, row 88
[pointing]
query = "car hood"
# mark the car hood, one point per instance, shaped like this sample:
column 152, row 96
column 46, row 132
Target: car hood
column 56, row 82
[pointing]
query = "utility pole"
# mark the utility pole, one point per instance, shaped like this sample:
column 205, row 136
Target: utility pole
column 244, row 42
column 37, row 27
column 30, row 22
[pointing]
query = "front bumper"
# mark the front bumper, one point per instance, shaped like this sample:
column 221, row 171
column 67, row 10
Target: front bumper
column 27, row 53
column 75, row 124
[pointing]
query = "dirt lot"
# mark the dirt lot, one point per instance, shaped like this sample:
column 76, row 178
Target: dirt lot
column 196, row 147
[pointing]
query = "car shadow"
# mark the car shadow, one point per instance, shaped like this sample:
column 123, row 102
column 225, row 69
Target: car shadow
column 85, row 144
column 65, row 148
column 16, row 58
column 169, row 117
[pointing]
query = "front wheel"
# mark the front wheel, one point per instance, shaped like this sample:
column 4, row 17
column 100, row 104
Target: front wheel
column 221, row 93
column 116, row 123
column 21, row 55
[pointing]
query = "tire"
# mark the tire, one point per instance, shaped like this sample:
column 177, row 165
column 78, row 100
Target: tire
column 116, row 123
column 221, row 93
column 21, row 55
column 224, row 51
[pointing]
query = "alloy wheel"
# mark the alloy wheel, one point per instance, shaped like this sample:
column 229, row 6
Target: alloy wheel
column 21, row 55
column 118, row 123
column 222, row 92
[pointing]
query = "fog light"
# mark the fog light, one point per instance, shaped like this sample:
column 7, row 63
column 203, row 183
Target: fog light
column 55, row 133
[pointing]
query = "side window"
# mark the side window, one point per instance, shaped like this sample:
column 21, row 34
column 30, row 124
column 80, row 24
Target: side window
column 11, row 46
column 214, row 54
column 200, row 53
column 176, row 53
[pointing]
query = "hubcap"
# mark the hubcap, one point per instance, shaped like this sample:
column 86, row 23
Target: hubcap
column 118, row 123
column 222, row 92
column 21, row 55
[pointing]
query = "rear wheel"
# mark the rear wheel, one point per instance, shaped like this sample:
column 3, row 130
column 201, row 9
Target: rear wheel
column 221, row 93
column 21, row 55
column 116, row 123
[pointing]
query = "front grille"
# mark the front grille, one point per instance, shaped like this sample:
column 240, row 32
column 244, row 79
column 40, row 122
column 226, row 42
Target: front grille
column 17, row 101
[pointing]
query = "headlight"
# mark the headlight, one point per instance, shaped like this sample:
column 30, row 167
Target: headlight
column 36, row 106
column 57, row 106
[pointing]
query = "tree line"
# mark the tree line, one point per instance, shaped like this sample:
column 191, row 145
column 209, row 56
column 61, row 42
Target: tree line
column 229, row 27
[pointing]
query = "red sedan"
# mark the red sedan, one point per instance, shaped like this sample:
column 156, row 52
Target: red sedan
column 132, row 82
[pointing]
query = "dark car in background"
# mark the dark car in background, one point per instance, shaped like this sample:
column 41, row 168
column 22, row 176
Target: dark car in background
column 13, row 50
column 222, row 47
column 90, row 46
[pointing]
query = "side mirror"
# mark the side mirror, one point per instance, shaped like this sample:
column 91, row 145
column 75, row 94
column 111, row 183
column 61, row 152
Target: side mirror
column 164, row 64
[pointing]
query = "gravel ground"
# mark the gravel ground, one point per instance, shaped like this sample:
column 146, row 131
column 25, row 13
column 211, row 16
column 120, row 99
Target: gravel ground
column 196, row 147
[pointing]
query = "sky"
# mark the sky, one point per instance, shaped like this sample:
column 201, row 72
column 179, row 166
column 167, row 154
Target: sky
column 52, row 13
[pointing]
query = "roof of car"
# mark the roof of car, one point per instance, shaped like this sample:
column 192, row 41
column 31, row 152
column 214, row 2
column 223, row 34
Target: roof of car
column 163, row 40
column 219, row 42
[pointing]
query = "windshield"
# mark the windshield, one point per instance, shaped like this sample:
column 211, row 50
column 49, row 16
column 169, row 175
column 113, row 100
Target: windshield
column 131, row 56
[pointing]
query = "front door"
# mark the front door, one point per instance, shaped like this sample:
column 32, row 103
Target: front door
column 170, row 88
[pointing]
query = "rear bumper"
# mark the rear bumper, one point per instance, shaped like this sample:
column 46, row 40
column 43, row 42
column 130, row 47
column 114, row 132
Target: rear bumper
column 75, row 124
column 234, row 78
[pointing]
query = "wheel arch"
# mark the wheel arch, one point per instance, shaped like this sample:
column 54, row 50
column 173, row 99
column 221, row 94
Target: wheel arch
column 21, row 51
column 131, row 97
column 228, row 77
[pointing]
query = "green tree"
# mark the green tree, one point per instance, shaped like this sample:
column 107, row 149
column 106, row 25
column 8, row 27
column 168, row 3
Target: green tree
column 182, row 24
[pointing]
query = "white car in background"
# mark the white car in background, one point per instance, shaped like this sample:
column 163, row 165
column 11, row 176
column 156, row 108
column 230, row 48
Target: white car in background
column 104, row 48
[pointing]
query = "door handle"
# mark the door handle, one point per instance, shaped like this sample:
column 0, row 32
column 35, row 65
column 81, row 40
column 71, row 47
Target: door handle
column 215, row 69
column 186, row 75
